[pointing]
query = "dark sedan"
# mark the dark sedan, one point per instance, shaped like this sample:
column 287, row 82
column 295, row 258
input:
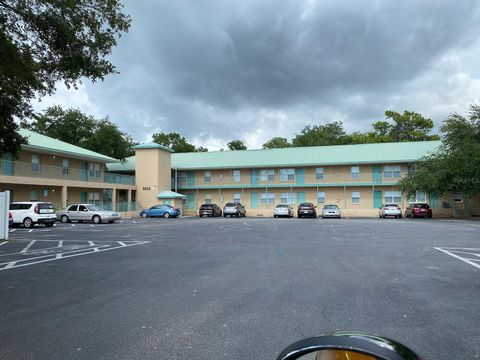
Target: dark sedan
column 306, row 209
column 210, row 210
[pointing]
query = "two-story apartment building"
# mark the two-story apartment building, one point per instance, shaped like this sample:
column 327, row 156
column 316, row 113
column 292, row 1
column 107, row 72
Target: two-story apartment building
column 51, row 170
column 357, row 178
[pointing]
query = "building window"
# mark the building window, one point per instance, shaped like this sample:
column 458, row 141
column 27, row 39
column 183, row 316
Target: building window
column 355, row 172
column 287, row 198
column 267, row 175
column 207, row 175
column 287, row 174
column 319, row 173
column 321, row 197
column 392, row 197
column 236, row 175
column 208, row 198
column 355, row 197
column 35, row 163
column 236, row 197
column 65, row 167
column 34, row 195
column 94, row 198
column 391, row 171
column 411, row 168
column 419, row 196
column 94, row 169
column 182, row 177
column 267, row 198
column 457, row 197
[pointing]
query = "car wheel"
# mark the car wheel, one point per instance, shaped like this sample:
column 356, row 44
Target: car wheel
column 96, row 219
column 144, row 215
column 400, row 216
column 28, row 223
column 224, row 215
column 48, row 224
column 429, row 216
column 64, row 219
column 111, row 221
column 166, row 215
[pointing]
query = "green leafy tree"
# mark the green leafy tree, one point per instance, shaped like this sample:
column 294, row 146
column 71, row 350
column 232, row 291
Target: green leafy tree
column 409, row 126
column 75, row 127
column 70, row 125
column 236, row 145
column 176, row 142
column 43, row 42
column 110, row 141
column 317, row 135
column 455, row 166
column 277, row 143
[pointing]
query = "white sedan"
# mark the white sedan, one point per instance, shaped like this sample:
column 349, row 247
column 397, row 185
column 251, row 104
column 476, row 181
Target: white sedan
column 87, row 212
column 390, row 210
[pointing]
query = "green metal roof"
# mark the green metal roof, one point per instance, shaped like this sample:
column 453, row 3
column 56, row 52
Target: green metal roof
column 300, row 156
column 127, row 166
column 170, row 195
column 152, row 145
column 306, row 156
column 42, row 143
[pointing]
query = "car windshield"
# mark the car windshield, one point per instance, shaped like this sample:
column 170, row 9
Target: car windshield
column 391, row 205
column 230, row 204
column 330, row 207
column 281, row 206
column 94, row 208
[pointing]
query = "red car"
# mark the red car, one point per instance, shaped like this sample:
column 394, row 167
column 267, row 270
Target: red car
column 418, row 210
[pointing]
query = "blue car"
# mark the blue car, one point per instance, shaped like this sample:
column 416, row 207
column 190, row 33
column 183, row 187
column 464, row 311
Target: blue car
column 165, row 211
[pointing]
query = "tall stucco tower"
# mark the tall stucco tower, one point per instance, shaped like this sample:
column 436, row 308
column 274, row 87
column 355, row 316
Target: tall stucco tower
column 152, row 172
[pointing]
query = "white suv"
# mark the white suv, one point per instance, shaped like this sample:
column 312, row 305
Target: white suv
column 30, row 213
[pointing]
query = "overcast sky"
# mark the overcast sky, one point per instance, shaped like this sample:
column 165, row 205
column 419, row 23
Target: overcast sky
column 217, row 70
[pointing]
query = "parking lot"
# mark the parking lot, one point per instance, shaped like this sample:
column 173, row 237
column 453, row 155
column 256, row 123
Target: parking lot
column 237, row 288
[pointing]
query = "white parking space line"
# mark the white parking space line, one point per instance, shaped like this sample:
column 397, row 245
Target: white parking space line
column 62, row 252
column 25, row 249
column 60, row 243
column 12, row 230
column 3, row 243
column 454, row 252
column 91, row 243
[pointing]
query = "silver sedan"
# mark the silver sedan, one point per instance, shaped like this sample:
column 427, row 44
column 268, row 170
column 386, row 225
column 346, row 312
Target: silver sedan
column 87, row 212
column 331, row 211
column 283, row 210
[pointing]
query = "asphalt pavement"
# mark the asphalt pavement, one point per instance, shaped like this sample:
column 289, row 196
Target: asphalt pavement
column 245, row 288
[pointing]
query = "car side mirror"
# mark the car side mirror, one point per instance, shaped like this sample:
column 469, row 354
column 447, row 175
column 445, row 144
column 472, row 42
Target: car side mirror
column 348, row 345
column 85, row 209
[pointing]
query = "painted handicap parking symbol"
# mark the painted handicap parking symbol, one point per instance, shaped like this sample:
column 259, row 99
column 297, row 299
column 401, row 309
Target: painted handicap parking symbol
column 25, row 253
column 470, row 256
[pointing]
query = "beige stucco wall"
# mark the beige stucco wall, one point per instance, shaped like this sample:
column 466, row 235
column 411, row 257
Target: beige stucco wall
column 332, row 174
column 153, row 175
column 333, row 195
column 51, row 194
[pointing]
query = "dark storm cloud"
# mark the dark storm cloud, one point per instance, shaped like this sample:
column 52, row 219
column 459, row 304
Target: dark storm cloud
column 212, row 68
